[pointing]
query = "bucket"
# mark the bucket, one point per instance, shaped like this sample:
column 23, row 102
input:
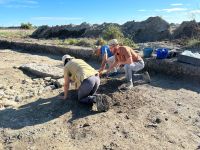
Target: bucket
column 147, row 52
column 162, row 53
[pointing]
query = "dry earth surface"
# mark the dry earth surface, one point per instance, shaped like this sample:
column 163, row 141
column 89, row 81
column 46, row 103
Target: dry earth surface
column 162, row 115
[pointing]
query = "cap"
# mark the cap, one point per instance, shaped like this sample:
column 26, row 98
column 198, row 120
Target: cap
column 113, row 42
column 66, row 57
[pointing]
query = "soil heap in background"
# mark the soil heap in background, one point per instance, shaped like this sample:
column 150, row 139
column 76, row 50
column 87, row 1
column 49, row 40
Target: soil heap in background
column 188, row 29
column 64, row 31
column 152, row 29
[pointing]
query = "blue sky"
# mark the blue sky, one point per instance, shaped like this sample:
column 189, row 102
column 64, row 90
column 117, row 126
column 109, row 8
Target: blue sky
column 60, row 12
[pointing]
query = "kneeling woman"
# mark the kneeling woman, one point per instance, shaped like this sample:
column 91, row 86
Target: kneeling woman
column 86, row 80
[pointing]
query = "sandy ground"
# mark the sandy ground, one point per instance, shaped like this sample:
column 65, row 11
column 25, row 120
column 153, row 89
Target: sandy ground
column 162, row 115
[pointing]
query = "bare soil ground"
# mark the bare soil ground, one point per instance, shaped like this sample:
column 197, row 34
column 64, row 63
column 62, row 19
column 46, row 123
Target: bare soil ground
column 162, row 115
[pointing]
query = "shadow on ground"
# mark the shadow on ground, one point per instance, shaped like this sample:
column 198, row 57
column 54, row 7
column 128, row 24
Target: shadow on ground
column 109, row 86
column 174, row 83
column 43, row 110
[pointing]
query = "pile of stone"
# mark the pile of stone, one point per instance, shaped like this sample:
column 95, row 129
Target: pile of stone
column 10, row 96
column 44, row 79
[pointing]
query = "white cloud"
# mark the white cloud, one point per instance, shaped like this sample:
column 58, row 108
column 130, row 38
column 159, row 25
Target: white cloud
column 172, row 9
column 55, row 18
column 195, row 11
column 19, row 3
column 177, row 4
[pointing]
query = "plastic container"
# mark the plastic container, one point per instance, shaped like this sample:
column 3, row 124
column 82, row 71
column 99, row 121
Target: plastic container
column 161, row 53
column 147, row 52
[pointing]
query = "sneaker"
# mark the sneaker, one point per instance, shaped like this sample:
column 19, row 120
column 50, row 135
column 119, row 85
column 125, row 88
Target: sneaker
column 146, row 77
column 102, row 103
column 129, row 86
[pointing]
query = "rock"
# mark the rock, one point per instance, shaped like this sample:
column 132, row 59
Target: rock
column 59, row 83
column 9, row 92
column 117, row 104
column 15, row 67
column 40, row 92
column 50, row 87
column 156, row 120
column 86, row 125
column 179, row 104
column 2, row 93
column 18, row 99
column 127, row 117
column 2, row 86
column 31, row 94
column 27, row 96
column 198, row 113
column 176, row 112
column 42, row 70
column 11, row 98
column 47, row 78
column 7, row 103
column 151, row 125
column 119, row 112
column 25, row 81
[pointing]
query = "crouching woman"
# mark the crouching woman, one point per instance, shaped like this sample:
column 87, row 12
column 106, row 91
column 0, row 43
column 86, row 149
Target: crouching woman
column 86, row 81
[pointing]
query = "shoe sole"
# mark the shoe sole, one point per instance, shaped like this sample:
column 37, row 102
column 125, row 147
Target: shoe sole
column 102, row 103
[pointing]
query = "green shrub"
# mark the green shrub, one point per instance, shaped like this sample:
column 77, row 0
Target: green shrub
column 26, row 26
column 79, row 42
column 112, row 32
column 193, row 43
column 70, row 41
column 85, row 42
column 101, row 41
column 128, row 42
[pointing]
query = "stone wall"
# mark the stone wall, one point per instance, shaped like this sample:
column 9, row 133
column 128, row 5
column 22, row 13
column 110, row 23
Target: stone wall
column 77, row 51
column 172, row 67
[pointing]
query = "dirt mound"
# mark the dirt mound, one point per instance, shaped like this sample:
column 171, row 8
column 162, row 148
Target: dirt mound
column 188, row 29
column 65, row 31
column 152, row 29
column 71, row 31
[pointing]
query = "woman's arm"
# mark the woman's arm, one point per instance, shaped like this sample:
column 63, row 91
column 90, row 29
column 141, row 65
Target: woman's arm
column 103, row 64
column 116, row 63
